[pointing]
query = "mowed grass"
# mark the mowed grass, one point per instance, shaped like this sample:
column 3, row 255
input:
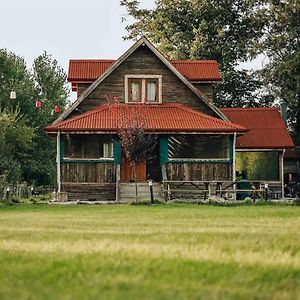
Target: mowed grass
column 149, row 252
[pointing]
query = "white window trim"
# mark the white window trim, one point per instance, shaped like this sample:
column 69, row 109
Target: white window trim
column 108, row 147
column 142, row 76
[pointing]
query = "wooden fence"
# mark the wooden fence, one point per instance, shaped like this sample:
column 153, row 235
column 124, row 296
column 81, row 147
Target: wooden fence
column 22, row 191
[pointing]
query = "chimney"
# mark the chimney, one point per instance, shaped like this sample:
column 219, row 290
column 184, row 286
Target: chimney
column 283, row 110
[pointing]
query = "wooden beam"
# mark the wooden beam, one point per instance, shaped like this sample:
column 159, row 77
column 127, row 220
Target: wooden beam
column 58, row 162
column 281, row 157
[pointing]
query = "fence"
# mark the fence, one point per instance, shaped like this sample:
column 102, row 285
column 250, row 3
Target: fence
column 22, row 191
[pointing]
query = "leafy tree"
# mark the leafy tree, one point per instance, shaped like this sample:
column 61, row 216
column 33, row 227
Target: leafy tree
column 231, row 31
column 46, row 82
column 281, row 42
column 50, row 86
column 16, row 143
column 224, row 30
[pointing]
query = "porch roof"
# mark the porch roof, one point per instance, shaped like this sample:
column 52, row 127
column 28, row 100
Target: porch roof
column 266, row 128
column 160, row 118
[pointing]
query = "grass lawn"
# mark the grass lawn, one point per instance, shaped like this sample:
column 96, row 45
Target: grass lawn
column 149, row 252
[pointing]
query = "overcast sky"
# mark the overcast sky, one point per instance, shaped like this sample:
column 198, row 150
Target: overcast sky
column 65, row 28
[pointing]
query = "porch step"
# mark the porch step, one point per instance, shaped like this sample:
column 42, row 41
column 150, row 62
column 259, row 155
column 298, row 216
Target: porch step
column 127, row 191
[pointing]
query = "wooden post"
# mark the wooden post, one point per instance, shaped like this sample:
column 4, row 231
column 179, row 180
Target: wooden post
column 209, row 191
column 58, row 162
column 282, row 173
column 118, row 177
column 233, row 166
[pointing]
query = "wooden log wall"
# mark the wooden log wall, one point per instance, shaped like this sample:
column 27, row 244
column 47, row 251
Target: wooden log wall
column 89, row 181
column 88, row 172
column 192, row 171
column 206, row 88
column 143, row 61
column 90, row 191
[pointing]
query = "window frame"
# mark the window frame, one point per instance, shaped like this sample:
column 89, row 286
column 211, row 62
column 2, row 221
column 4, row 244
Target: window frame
column 227, row 159
column 144, row 84
column 83, row 148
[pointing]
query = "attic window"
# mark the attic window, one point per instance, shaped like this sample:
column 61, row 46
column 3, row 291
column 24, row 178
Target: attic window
column 143, row 88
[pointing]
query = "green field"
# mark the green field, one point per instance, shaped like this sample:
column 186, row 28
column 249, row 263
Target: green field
column 149, row 252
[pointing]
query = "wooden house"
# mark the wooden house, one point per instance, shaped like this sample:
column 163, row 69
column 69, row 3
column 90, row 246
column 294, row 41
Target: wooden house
column 197, row 142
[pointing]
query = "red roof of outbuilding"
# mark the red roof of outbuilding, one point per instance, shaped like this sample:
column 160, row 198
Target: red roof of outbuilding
column 157, row 118
column 266, row 128
column 88, row 70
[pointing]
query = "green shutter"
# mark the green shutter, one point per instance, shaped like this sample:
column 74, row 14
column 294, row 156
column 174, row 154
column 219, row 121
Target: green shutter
column 163, row 149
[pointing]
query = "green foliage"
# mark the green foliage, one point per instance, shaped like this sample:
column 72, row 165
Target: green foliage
column 231, row 32
column 199, row 29
column 46, row 82
column 16, row 144
column 281, row 43
column 258, row 165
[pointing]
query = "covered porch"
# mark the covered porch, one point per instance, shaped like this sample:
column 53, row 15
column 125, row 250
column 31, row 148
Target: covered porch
column 190, row 146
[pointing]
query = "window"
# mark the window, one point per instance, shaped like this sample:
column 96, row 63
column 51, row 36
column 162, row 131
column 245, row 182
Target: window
column 135, row 89
column 257, row 165
column 151, row 90
column 204, row 147
column 86, row 146
column 143, row 88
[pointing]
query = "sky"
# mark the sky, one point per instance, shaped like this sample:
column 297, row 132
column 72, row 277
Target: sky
column 64, row 28
column 67, row 29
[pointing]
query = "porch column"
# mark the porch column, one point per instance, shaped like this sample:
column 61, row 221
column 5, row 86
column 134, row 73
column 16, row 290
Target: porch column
column 58, row 162
column 282, row 173
column 233, row 165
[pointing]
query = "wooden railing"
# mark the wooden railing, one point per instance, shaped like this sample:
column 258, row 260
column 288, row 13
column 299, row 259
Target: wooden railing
column 204, row 190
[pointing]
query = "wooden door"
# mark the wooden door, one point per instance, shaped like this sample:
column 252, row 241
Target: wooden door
column 127, row 171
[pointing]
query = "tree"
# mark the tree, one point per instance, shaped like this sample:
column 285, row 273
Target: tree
column 135, row 142
column 51, row 89
column 281, row 42
column 16, row 142
column 224, row 30
column 46, row 82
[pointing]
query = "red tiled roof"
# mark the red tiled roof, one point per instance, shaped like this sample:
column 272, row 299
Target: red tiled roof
column 157, row 118
column 194, row 70
column 266, row 128
column 88, row 70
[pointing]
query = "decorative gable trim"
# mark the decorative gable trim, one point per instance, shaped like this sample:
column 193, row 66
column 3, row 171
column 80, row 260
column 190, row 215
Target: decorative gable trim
column 141, row 42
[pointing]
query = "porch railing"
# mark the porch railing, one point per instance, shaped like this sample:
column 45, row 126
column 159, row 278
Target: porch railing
column 230, row 190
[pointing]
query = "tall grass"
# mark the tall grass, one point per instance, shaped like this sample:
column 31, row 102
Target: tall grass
column 149, row 252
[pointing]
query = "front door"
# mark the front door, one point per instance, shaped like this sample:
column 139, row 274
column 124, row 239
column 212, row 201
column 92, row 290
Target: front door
column 127, row 171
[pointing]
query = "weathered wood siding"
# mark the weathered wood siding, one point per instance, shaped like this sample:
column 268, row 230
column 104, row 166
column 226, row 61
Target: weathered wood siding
column 90, row 191
column 206, row 88
column 192, row 171
column 88, row 172
column 89, row 181
column 81, row 88
column 143, row 61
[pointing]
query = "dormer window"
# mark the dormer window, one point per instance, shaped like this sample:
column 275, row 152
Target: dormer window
column 143, row 88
